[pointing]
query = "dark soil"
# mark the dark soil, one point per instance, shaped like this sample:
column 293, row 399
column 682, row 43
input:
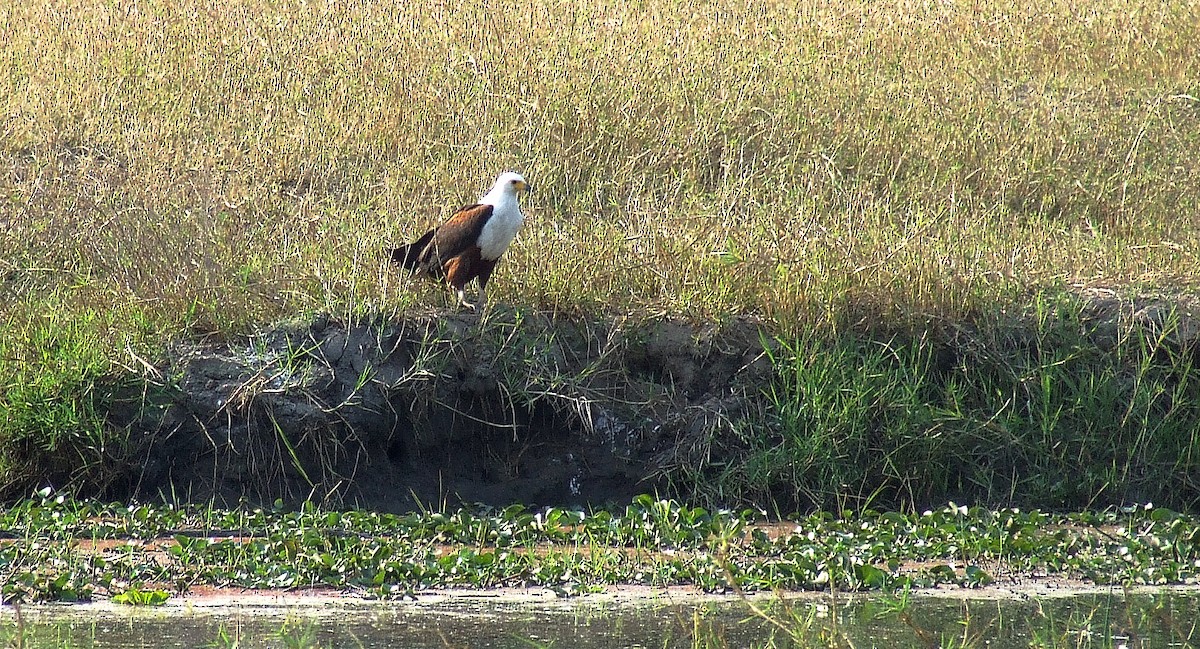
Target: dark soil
column 433, row 411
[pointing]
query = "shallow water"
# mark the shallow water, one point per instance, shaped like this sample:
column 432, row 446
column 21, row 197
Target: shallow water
column 1107, row 619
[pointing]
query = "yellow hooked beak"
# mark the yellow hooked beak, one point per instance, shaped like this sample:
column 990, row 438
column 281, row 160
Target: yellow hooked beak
column 522, row 186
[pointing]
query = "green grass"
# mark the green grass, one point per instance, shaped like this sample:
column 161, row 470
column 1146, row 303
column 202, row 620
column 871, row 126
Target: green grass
column 191, row 169
column 58, row 382
column 1039, row 410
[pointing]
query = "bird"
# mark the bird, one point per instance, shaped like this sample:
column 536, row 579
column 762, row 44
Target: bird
column 469, row 244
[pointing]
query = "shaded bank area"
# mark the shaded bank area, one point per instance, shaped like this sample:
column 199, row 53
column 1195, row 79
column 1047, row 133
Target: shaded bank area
column 1079, row 400
column 436, row 410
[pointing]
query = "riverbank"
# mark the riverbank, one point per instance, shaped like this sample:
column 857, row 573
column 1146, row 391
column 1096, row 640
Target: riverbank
column 1080, row 400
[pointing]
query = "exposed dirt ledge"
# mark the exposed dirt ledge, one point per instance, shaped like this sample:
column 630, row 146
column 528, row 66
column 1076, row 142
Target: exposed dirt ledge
column 434, row 410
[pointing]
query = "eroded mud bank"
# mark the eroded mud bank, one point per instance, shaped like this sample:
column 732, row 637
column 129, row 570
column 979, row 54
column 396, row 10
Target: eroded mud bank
column 435, row 410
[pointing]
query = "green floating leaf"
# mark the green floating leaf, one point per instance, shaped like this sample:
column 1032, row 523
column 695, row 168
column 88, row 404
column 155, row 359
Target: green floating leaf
column 138, row 597
column 871, row 576
column 1161, row 514
column 942, row 573
column 977, row 576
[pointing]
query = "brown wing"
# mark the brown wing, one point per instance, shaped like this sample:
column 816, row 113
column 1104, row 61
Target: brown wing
column 457, row 235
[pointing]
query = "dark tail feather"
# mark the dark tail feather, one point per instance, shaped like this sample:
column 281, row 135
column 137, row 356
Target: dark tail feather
column 406, row 256
column 409, row 255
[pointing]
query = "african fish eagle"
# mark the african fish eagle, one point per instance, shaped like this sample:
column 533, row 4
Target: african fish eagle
column 468, row 245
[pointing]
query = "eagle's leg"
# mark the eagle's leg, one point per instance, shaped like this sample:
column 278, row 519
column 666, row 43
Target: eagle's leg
column 462, row 298
column 486, row 266
column 458, row 272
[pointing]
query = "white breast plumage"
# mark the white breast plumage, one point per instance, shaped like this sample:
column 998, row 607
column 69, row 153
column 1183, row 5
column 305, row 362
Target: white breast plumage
column 501, row 228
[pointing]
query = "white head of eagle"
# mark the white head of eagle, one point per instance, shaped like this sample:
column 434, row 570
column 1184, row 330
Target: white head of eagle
column 468, row 245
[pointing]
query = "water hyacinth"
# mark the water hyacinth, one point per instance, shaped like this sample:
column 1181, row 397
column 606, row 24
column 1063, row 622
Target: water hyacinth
column 61, row 549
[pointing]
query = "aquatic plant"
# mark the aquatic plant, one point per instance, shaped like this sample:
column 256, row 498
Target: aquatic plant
column 66, row 550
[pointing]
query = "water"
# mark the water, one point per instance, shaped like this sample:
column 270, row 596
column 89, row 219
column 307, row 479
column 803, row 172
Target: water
column 1107, row 619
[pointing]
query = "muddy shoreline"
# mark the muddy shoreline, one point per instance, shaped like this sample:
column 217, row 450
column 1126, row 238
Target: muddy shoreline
column 313, row 600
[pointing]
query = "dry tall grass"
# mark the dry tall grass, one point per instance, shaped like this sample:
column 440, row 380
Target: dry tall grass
column 211, row 164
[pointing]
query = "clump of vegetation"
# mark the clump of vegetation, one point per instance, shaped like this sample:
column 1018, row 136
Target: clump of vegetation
column 56, row 383
column 1048, row 409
